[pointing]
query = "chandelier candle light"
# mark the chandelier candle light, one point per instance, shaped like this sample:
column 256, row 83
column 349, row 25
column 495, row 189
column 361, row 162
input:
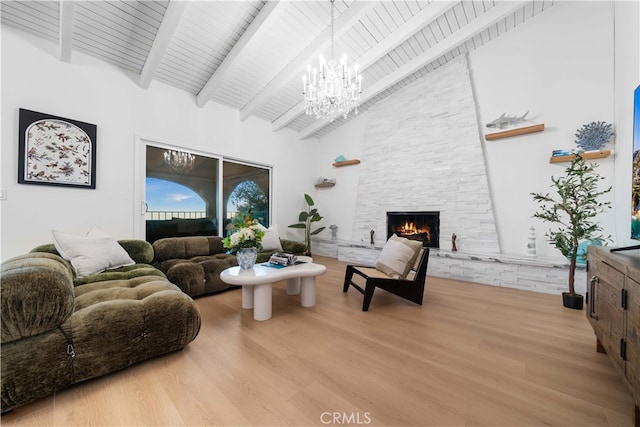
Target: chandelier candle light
column 333, row 90
column 179, row 161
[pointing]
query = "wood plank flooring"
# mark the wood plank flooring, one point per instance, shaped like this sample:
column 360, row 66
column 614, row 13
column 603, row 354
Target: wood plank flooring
column 472, row 355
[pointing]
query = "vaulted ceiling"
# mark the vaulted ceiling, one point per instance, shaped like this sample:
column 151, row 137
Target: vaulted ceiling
column 251, row 55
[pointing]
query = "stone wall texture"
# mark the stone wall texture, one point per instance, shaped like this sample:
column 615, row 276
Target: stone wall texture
column 429, row 132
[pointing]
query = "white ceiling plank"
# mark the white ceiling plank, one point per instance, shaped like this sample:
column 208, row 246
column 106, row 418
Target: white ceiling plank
column 170, row 22
column 296, row 67
column 65, row 31
column 422, row 19
column 216, row 79
column 486, row 20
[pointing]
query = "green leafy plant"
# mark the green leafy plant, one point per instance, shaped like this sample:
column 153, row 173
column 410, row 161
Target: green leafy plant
column 306, row 218
column 573, row 209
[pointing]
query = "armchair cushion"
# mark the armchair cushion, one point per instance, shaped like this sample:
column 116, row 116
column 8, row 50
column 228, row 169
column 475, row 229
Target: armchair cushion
column 398, row 256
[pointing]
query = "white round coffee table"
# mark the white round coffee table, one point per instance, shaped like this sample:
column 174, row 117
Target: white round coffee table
column 256, row 284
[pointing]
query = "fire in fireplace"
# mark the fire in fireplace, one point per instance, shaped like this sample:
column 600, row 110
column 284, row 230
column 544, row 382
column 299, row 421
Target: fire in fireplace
column 421, row 226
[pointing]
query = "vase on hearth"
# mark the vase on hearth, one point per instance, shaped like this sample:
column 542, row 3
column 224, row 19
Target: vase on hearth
column 247, row 257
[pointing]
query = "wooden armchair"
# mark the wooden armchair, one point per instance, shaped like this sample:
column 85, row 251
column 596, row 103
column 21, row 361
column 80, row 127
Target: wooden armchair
column 411, row 288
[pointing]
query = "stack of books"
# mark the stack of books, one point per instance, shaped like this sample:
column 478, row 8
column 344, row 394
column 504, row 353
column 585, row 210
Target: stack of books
column 283, row 259
column 564, row 152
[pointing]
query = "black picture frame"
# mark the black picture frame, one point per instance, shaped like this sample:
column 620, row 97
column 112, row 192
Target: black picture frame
column 56, row 151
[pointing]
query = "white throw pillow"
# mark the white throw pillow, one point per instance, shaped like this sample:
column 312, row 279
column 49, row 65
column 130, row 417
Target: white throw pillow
column 271, row 240
column 398, row 256
column 92, row 253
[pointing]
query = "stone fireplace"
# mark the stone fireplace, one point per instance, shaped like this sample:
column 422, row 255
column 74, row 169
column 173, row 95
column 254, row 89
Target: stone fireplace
column 422, row 152
column 423, row 226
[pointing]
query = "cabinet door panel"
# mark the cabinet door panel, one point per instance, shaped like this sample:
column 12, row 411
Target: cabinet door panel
column 608, row 324
column 633, row 335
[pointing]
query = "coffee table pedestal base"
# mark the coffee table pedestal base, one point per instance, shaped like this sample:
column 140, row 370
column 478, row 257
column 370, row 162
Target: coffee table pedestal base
column 258, row 297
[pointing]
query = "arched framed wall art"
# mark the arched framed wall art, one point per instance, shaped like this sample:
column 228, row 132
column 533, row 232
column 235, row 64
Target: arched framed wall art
column 56, row 151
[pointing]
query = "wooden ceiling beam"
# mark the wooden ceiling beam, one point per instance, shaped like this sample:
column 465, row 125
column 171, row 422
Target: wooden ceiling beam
column 216, row 78
column 168, row 26
column 497, row 13
column 425, row 17
column 65, row 30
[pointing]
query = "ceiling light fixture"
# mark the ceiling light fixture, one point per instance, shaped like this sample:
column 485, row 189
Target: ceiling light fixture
column 179, row 161
column 333, row 90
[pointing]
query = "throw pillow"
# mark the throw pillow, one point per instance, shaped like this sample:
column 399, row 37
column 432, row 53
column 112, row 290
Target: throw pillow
column 398, row 256
column 92, row 253
column 271, row 240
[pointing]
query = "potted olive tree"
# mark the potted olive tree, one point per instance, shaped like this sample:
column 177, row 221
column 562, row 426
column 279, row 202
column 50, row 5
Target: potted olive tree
column 573, row 209
column 306, row 218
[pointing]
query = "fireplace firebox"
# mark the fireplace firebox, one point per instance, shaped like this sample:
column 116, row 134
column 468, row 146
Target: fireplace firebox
column 421, row 226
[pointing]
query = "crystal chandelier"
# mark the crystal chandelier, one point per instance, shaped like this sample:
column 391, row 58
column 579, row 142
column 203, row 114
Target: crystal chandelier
column 179, row 161
column 332, row 90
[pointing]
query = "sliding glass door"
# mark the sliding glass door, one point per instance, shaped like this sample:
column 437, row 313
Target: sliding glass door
column 195, row 194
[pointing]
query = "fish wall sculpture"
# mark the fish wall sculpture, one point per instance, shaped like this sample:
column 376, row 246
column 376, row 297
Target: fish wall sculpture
column 503, row 121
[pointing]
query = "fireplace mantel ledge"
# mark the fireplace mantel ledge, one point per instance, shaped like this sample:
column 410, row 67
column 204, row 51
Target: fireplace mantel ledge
column 503, row 258
column 367, row 254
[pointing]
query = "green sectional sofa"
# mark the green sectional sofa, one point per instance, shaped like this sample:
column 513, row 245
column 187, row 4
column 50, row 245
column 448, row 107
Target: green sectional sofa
column 59, row 329
column 194, row 263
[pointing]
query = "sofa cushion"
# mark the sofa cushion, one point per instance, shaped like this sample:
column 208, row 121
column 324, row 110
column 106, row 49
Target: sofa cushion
column 198, row 275
column 271, row 239
column 187, row 247
column 115, row 324
column 140, row 251
column 122, row 273
column 93, row 253
column 36, row 291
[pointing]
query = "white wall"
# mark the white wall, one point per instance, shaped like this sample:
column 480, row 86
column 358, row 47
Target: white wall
column 556, row 65
column 560, row 66
column 94, row 92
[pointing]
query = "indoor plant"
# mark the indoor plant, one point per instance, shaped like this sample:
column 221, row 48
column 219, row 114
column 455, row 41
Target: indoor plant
column 245, row 242
column 306, row 218
column 573, row 210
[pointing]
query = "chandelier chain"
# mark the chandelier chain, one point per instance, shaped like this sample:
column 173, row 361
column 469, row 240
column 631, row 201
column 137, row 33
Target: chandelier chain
column 332, row 7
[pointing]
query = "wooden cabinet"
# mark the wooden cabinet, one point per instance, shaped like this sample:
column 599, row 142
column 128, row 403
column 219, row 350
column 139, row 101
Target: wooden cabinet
column 613, row 310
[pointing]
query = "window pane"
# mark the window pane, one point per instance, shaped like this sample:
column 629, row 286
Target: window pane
column 182, row 199
column 246, row 192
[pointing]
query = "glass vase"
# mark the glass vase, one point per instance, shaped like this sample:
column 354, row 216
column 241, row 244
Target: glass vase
column 247, row 257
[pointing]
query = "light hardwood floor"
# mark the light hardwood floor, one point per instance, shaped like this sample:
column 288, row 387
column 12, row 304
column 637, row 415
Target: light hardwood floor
column 471, row 355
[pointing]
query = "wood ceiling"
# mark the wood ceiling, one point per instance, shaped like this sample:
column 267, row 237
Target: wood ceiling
column 251, row 55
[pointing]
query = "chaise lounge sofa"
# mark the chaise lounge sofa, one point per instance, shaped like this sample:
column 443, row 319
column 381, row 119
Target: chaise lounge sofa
column 59, row 328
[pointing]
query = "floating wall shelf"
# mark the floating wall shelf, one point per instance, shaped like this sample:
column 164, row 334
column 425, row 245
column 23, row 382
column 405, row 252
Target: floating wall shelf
column 346, row 163
column 514, row 132
column 325, row 185
column 587, row 156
